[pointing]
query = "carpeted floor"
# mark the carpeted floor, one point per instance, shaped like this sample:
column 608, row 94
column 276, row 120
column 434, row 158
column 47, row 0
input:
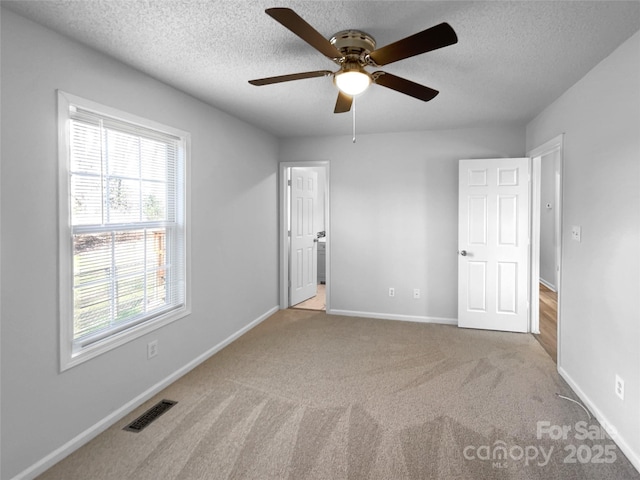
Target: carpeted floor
column 305, row 395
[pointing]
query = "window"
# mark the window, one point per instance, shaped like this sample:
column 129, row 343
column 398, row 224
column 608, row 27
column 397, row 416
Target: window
column 123, row 237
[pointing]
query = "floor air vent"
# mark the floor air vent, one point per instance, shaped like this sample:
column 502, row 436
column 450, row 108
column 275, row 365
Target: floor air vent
column 149, row 416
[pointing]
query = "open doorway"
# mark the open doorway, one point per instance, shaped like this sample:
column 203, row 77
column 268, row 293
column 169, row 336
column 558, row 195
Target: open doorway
column 546, row 244
column 304, row 235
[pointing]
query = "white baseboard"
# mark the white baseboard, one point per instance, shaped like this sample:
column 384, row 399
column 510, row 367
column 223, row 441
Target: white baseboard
column 391, row 316
column 72, row 445
column 634, row 457
column 549, row 285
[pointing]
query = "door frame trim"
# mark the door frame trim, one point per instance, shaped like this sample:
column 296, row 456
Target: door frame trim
column 536, row 154
column 283, row 233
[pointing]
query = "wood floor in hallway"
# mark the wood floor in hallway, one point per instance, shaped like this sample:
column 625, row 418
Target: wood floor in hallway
column 548, row 336
column 319, row 302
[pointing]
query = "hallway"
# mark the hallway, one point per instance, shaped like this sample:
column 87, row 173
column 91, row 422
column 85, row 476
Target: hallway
column 548, row 336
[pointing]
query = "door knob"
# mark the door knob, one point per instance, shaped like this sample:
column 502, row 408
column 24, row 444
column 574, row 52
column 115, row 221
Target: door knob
column 315, row 240
column 463, row 253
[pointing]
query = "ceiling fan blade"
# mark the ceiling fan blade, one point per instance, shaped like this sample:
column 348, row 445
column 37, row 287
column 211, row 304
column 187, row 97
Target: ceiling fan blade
column 288, row 78
column 433, row 38
column 343, row 104
column 405, row 86
column 294, row 22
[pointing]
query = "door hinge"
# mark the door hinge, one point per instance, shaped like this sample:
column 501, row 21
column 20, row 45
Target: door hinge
column 288, row 233
column 289, row 182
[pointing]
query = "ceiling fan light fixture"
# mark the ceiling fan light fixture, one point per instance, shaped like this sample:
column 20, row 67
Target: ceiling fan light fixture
column 352, row 82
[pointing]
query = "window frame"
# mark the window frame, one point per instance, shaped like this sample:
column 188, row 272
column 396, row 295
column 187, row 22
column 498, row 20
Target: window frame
column 70, row 357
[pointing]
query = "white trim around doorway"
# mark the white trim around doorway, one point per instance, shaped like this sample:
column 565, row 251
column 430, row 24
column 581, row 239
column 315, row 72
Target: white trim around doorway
column 536, row 154
column 284, row 243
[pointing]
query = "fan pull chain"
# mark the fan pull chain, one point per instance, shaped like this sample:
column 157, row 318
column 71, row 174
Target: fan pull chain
column 354, row 120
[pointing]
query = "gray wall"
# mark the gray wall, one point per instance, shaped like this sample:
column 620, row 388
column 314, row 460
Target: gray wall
column 233, row 196
column 548, row 244
column 600, row 285
column 393, row 214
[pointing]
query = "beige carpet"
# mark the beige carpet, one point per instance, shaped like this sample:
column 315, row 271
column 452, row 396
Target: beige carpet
column 310, row 396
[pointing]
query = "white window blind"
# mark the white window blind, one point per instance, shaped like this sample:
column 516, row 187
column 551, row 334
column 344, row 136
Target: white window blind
column 126, row 194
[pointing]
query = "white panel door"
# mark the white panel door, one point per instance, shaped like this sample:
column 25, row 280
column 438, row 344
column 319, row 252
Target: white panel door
column 493, row 242
column 304, row 240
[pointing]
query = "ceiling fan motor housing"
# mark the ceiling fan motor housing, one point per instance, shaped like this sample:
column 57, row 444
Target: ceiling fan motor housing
column 355, row 45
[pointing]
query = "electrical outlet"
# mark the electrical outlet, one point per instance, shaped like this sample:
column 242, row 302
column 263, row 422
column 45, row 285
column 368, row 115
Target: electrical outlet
column 619, row 387
column 152, row 349
column 416, row 293
column 392, row 292
column 576, row 233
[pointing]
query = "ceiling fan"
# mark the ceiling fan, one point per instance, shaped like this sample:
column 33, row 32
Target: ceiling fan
column 353, row 50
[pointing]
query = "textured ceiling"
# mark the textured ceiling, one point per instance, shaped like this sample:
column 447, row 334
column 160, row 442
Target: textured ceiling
column 512, row 58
